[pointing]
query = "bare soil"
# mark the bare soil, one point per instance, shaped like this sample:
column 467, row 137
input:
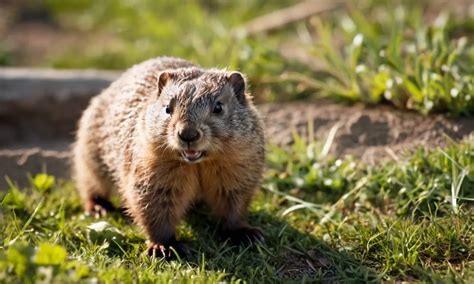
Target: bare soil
column 370, row 133
column 295, row 267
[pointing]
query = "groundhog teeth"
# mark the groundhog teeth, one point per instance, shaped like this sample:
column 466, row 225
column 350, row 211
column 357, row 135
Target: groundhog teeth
column 192, row 155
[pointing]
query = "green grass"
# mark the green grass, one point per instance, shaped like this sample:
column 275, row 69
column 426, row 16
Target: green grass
column 324, row 219
column 398, row 58
column 5, row 55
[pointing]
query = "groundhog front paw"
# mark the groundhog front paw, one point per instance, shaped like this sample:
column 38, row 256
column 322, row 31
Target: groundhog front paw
column 98, row 207
column 96, row 211
column 169, row 251
column 244, row 235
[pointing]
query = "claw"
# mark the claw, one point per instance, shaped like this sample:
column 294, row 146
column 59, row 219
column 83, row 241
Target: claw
column 168, row 251
column 98, row 207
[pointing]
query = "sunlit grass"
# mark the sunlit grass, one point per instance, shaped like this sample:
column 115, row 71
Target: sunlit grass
column 394, row 56
column 326, row 219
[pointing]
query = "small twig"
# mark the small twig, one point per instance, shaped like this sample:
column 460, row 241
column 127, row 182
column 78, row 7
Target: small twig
column 329, row 140
column 286, row 16
column 311, row 265
column 392, row 154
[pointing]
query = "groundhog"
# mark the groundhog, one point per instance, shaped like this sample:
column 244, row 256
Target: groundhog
column 166, row 134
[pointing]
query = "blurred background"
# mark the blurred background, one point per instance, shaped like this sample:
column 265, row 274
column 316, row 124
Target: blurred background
column 411, row 54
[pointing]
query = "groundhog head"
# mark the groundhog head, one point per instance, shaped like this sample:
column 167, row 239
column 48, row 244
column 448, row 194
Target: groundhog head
column 200, row 114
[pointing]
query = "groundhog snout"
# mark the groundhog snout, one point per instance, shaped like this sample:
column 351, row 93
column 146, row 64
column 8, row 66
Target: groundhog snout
column 189, row 134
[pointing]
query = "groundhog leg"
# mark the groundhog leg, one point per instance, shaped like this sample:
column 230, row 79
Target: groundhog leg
column 158, row 212
column 231, row 208
column 94, row 191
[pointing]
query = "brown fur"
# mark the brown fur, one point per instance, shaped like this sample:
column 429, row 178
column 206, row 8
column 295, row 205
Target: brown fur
column 127, row 141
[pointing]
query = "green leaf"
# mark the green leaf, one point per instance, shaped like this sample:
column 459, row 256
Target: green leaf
column 14, row 199
column 19, row 255
column 49, row 254
column 103, row 232
column 43, row 182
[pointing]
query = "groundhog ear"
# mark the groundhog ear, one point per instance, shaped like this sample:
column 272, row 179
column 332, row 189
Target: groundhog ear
column 163, row 79
column 237, row 82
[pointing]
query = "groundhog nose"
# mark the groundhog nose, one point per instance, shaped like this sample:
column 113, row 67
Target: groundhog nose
column 189, row 135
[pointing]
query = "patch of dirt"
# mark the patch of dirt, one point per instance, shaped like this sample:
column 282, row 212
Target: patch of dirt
column 297, row 266
column 32, row 36
column 370, row 133
column 32, row 42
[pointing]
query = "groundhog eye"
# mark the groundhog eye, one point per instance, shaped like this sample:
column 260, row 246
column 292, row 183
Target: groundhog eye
column 168, row 109
column 217, row 108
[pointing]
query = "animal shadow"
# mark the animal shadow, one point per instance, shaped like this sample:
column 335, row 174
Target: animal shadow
column 286, row 255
